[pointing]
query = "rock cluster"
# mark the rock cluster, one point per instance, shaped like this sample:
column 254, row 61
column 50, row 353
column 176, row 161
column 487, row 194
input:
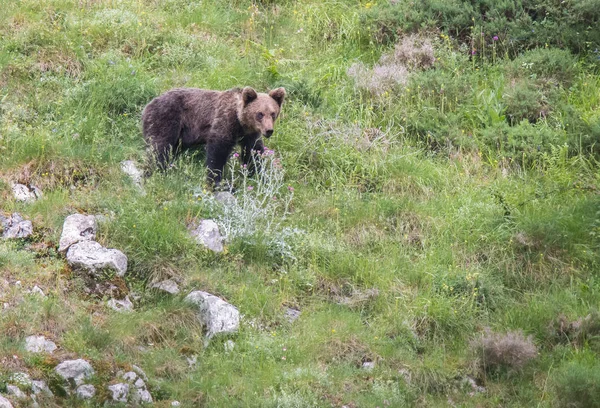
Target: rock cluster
column 25, row 193
column 207, row 234
column 132, row 388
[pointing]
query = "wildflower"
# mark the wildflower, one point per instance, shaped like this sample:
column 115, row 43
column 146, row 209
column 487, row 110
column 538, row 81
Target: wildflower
column 291, row 189
column 283, row 358
column 250, row 188
column 236, row 155
column 495, row 38
column 473, row 52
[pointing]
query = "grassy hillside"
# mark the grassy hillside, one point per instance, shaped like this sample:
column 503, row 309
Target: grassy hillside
column 440, row 165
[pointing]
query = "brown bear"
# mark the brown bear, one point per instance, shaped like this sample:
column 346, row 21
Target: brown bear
column 189, row 117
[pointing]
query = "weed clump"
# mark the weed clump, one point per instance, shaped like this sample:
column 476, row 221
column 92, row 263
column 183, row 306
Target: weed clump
column 577, row 332
column 511, row 350
column 413, row 53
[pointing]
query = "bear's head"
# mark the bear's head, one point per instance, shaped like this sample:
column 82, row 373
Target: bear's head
column 259, row 110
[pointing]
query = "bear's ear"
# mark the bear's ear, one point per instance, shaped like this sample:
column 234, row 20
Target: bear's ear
column 248, row 95
column 278, row 94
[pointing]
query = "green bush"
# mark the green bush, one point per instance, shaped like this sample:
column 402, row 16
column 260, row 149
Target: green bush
column 520, row 25
column 577, row 385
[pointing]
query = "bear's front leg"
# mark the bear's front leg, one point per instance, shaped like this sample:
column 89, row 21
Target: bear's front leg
column 251, row 150
column 216, row 157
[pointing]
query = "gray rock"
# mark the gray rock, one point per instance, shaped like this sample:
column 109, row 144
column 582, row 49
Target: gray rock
column 215, row 314
column 15, row 391
column 86, row 391
column 120, row 392
column 93, row 258
column 139, row 383
column 207, row 234
column 39, row 344
column 77, row 228
column 75, row 371
column 124, row 306
column 25, row 193
column 39, row 386
column 291, row 314
column 15, row 226
column 140, row 372
column 168, row 286
column 4, row 403
column 175, row 403
column 225, row 197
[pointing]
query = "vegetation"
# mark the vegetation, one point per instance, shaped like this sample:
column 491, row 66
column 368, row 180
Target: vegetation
column 436, row 165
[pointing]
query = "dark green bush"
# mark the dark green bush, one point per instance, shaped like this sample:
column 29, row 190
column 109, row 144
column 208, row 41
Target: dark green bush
column 520, row 25
column 577, row 385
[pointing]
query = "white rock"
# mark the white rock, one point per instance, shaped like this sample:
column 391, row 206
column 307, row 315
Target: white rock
column 37, row 291
column 39, row 386
column 129, row 376
column 128, row 167
column 4, row 403
column 175, row 403
column 168, row 286
column 142, row 395
column 207, row 233
column 25, row 193
column 75, row 371
column 86, row 391
column 92, row 257
column 39, row 344
column 368, row 365
column 120, row 392
column 139, row 383
column 217, row 315
column 15, row 226
column 15, row 392
column 124, row 306
column 77, row 228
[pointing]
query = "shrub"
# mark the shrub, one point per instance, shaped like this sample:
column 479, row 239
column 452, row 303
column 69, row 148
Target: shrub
column 578, row 385
column 510, row 350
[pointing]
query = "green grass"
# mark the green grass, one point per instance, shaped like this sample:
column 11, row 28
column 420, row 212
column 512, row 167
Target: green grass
column 466, row 198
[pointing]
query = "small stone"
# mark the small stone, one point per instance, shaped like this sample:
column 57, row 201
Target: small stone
column 4, row 403
column 15, row 227
column 175, row 403
column 91, row 257
column 25, row 193
column 207, row 234
column 129, row 376
column 39, row 386
column 120, row 392
column 192, row 361
column 123, row 306
column 139, row 383
column 217, row 315
column 291, row 314
column 86, row 391
column 225, row 197
column 75, row 371
column 77, row 228
column 38, row 291
column 15, row 392
column 168, row 286
column 368, row 365
column 39, row 344
column 140, row 395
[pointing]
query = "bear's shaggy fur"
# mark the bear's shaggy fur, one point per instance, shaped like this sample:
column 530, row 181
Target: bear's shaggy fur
column 188, row 117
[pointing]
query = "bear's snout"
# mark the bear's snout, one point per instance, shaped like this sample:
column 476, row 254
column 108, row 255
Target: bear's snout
column 269, row 133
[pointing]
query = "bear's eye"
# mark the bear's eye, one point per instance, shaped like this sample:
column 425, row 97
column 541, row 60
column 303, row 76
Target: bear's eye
column 273, row 115
column 259, row 116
